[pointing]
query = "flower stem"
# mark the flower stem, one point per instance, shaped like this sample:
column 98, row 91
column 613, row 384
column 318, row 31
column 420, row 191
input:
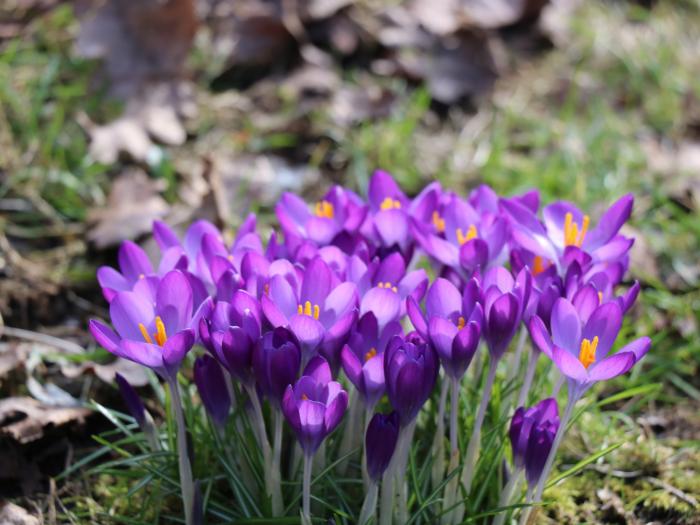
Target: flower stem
column 370, row 504
column 186, row 483
column 368, row 417
column 525, row 515
column 516, row 359
column 275, row 473
column 306, row 490
column 454, row 407
column 529, row 376
column 272, row 480
column 472, row 448
column 403, row 448
column 349, row 441
column 438, row 470
column 386, row 505
column 506, row 495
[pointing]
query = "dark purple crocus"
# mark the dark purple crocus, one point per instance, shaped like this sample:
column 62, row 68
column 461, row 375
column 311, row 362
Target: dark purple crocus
column 380, row 443
column 155, row 334
column 318, row 308
column 363, row 356
column 131, row 399
column 230, row 331
column 411, row 368
column 580, row 348
column 532, row 432
column 505, row 302
column 276, row 362
column 339, row 212
column 452, row 323
column 315, row 405
column 212, row 389
column 384, row 286
column 464, row 240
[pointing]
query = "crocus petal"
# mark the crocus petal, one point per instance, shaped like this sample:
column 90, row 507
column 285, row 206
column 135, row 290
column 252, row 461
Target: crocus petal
column 540, row 335
column 318, row 369
column 351, row 365
column 335, row 411
column 283, row 296
column 464, row 347
column 133, row 261
column 317, row 282
column 604, row 324
column 146, row 354
column 554, row 216
column 127, row 310
column 290, row 410
column 382, row 185
column 443, row 299
column 339, row 302
column 307, row 329
column 105, row 336
column 194, row 235
column 416, row 316
column 392, row 227
column 566, row 326
column 373, row 378
column 312, row 420
column 164, row 235
column 176, row 347
column 569, row 365
column 174, row 301
column 384, row 303
column 610, row 223
column 612, row 366
column 638, row 347
column 391, row 269
column 474, row 254
column 112, row 281
column 321, row 230
column 442, row 333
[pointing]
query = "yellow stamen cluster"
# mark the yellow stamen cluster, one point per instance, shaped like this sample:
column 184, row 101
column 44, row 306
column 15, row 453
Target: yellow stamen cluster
column 587, row 353
column 463, row 238
column 324, row 209
column 390, row 204
column 304, row 397
column 538, row 265
column 369, row 355
column 266, row 289
column 600, row 297
column 160, row 336
column 388, row 286
column 572, row 235
column 438, row 222
column 142, row 276
column 461, row 322
column 306, row 310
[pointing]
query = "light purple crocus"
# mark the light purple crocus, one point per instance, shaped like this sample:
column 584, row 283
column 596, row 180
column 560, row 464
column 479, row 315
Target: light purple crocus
column 318, row 308
column 384, row 286
column 463, row 238
column 338, row 214
column 155, row 335
column 452, row 323
column 230, row 332
column 565, row 233
column 362, row 356
column 315, row 405
column 580, row 348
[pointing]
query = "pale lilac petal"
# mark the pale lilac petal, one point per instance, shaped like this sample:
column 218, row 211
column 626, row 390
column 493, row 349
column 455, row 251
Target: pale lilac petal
column 604, row 323
column 283, row 296
column 569, row 365
column 638, row 347
column 105, row 336
column 127, row 310
column 392, row 227
column 612, row 366
column 443, row 299
column 610, row 223
column 317, row 282
column 384, row 303
column 442, row 333
column 174, row 301
column 540, row 335
column 566, row 326
column 307, row 329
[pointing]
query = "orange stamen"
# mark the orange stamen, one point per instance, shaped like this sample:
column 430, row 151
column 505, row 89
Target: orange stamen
column 144, row 333
column 438, row 222
column 160, row 335
column 471, row 234
column 390, row 204
column 369, row 355
column 587, row 353
column 324, row 209
column 461, row 322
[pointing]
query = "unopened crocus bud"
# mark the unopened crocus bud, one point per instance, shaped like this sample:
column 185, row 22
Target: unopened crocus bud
column 532, row 432
column 211, row 385
column 410, row 370
column 132, row 400
column 276, row 361
column 380, row 443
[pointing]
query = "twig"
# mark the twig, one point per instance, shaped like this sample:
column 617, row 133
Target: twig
column 690, row 500
column 66, row 346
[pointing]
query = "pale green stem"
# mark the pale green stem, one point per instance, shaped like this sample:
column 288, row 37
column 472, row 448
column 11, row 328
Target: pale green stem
column 349, row 441
column 515, row 362
column 525, row 514
column 438, row 470
column 272, row 480
column 386, row 505
column 474, row 441
column 306, row 489
column 370, row 504
column 275, row 472
column 454, row 408
column 529, row 376
column 405, row 438
column 369, row 409
column 186, row 482
column 506, row 495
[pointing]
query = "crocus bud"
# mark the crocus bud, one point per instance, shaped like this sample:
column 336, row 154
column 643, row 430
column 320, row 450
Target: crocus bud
column 131, row 399
column 211, row 385
column 276, row 361
column 410, row 370
column 380, row 442
column 315, row 405
column 532, row 432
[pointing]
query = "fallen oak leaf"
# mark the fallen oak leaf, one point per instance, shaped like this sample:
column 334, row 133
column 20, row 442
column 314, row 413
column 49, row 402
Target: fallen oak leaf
column 24, row 419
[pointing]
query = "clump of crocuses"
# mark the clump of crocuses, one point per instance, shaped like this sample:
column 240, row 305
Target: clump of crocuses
column 309, row 335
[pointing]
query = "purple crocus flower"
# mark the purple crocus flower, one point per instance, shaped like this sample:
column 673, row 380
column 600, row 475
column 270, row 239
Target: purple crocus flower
column 411, row 368
column 156, row 335
column 532, row 432
column 452, row 324
column 131, row 399
column 363, row 356
column 230, row 331
column 464, row 239
column 340, row 213
column 318, row 308
column 134, row 266
column 315, row 405
column 384, row 286
column 565, row 233
column 580, row 348
column 505, row 303
column 276, row 362
column 212, row 389
column 380, row 443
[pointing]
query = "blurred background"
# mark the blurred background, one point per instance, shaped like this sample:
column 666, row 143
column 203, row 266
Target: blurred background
column 119, row 112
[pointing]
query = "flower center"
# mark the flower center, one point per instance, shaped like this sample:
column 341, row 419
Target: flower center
column 461, row 322
column 572, row 235
column 587, row 353
column 324, row 209
column 390, row 204
column 600, row 297
column 369, row 355
column 306, row 310
column 160, row 336
column 388, row 286
column 438, row 222
column 538, row 265
column 463, row 238
column 304, row 397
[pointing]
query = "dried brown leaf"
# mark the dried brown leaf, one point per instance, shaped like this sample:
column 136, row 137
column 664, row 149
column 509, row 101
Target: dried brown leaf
column 11, row 514
column 25, row 419
column 133, row 204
